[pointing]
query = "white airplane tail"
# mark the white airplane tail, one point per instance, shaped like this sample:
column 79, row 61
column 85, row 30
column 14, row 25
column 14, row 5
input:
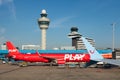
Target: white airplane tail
column 95, row 56
column 91, row 50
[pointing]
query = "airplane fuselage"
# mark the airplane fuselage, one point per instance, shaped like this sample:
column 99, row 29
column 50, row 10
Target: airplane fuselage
column 60, row 58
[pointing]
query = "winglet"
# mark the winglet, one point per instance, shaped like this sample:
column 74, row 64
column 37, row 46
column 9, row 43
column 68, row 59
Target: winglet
column 91, row 50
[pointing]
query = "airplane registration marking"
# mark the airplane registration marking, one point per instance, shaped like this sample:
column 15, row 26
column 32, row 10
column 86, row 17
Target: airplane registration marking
column 74, row 57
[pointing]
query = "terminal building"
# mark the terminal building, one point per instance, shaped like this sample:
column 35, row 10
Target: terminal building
column 67, row 48
column 24, row 47
column 76, row 39
column 30, row 47
column 3, row 47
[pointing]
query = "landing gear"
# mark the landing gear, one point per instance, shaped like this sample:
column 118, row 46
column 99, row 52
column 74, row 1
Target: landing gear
column 51, row 64
column 23, row 64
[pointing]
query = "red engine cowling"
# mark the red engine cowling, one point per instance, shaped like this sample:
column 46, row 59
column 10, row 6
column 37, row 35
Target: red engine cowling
column 61, row 61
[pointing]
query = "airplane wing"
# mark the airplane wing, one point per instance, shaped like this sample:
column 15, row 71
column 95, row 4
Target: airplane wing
column 95, row 56
column 54, row 60
column 50, row 59
column 111, row 61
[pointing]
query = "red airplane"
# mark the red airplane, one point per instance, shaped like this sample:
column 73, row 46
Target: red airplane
column 58, row 58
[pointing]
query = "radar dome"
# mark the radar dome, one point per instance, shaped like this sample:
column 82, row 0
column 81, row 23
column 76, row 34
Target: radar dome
column 43, row 11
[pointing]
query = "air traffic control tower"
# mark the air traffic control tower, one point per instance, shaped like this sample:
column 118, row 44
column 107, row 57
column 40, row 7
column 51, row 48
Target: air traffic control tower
column 75, row 36
column 76, row 39
column 43, row 24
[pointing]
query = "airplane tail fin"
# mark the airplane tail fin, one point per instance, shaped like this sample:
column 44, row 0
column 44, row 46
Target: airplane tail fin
column 94, row 55
column 11, row 48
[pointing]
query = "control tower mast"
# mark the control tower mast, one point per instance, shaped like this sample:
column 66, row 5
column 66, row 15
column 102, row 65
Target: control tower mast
column 43, row 24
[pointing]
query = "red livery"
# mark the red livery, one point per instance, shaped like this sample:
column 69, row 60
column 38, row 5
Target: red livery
column 59, row 58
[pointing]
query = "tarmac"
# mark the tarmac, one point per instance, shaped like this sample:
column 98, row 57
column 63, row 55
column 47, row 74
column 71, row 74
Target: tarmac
column 37, row 72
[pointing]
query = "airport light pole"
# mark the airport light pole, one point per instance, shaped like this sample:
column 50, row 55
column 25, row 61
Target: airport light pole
column 113, row 36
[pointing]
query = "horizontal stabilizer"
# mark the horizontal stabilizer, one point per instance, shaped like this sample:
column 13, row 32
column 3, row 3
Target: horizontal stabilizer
column 111, row 61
